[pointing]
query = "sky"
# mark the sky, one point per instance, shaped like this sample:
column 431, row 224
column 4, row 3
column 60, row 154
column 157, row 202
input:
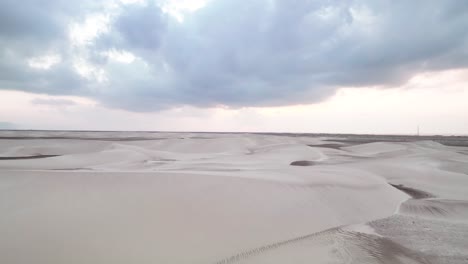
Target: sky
column 316, row 66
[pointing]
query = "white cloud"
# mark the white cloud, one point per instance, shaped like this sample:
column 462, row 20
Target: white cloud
column 83, row 33
column 44, row 62
column 89, row 71
column 122, row 56
column 179, row 8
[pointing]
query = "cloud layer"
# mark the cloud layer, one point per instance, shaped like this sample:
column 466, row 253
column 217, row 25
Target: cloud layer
column 139, row 57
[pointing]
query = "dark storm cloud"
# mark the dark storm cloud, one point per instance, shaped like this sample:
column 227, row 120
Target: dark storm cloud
column 251, row 53
column 33, row 28
column 61, row 79
column 139, row 29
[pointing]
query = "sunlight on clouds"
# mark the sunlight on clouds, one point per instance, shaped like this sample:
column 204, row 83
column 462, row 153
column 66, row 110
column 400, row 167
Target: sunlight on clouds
column 82, row 34
column 126, row 2
column 122, row 56
column 89, row 71
column 178, row 8
column 187, row 5
column 448, row 80
column 44, row 62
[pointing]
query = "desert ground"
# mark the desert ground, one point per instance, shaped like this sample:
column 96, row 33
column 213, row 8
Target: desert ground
column 153, row 197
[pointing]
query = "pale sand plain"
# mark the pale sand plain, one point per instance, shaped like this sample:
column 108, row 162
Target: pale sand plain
column 141, row 197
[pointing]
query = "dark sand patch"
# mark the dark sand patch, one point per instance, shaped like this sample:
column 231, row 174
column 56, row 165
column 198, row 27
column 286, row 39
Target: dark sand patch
column 85, row 138
column 73, row 169
column 415, row 207
column 436, row 208
column 28, row 157
column 353, row 157
column 357, row 247
column 330, row 145
column 414, row 193
column 302, row 163
column 161, row 160
column 360, row 141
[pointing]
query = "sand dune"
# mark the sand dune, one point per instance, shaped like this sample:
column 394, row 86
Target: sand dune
column 229, row 198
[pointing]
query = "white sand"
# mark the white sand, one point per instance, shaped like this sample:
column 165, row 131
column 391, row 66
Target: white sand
column 212, row 198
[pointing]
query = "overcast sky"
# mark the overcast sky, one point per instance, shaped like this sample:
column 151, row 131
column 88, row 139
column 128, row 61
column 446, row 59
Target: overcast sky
column 361, row 66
